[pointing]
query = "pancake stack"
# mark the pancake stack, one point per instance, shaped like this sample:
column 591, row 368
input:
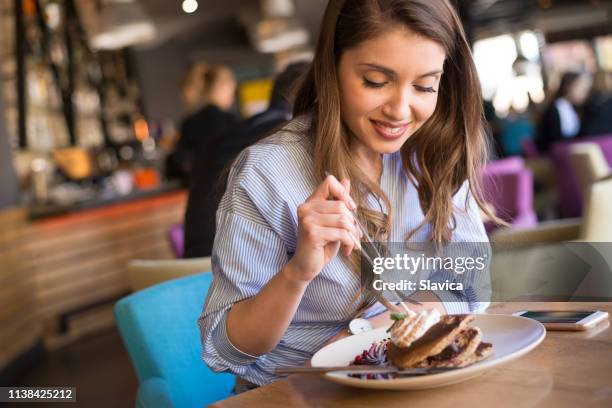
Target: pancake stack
column 448, row 343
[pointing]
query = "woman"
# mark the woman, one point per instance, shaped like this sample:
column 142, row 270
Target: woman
column 598, row 107
column 392, row 98
column 561, row 120
column 211, row 165
column 208, row 93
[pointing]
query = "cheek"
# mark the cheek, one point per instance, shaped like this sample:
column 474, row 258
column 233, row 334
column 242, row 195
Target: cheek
column 425, row 108
column 356, row 100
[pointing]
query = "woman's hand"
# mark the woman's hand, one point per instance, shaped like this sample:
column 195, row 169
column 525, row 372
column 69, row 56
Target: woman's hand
column 324, row 225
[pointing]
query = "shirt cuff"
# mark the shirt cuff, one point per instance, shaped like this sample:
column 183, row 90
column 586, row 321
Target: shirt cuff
column 226, row 349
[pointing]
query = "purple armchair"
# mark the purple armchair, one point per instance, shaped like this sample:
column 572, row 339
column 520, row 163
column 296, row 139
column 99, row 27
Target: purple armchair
column 570, row 197
column 176, row 236
column 508, row 187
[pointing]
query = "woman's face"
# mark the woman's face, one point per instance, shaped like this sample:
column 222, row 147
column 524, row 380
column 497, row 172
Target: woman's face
column 388, row 88
column 223, row 93
column 579, row 90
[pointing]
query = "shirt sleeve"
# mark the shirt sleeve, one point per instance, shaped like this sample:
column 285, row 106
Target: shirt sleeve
column 248, row 251
column 246, row 255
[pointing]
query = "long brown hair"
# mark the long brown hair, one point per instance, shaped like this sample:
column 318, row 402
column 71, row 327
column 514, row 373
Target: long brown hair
column 448, row 150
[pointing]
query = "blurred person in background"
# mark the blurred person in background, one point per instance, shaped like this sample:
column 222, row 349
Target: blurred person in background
column 493, row 129
column 208, row 93
column 192, row 88
column 514, row 129
column 279, row 111
column 598, row 107
column 215, row 156
column 561, row 120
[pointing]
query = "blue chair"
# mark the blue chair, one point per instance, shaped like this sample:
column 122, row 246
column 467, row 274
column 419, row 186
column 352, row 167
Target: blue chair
column 160, row 331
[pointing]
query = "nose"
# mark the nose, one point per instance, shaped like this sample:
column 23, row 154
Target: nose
column 398, row 107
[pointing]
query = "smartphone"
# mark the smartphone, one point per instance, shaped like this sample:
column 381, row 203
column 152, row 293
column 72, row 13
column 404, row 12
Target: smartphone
column 565, row 320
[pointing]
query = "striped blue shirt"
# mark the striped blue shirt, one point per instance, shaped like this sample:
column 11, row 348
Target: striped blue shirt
column 257, row 234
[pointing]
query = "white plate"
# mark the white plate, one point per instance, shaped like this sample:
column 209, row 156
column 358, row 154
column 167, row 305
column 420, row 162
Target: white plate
column 511, row 336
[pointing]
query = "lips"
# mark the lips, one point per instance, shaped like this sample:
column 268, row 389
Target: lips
column 389, row 130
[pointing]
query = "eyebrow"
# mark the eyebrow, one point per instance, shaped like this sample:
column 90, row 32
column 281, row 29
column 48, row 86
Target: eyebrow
column 390, row 72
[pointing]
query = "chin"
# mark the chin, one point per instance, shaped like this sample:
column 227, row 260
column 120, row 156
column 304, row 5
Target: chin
column 387, row 147
column 383, row 146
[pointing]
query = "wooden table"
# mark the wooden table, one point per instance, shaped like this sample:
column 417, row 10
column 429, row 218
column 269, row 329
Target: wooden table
column 568, row 369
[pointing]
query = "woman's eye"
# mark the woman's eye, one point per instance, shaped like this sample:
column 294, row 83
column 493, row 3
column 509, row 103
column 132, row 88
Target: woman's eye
column 373, row 84
column 428, row 89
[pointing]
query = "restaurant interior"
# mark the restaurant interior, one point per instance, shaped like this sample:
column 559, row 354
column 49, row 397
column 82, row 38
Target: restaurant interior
column 95, row 173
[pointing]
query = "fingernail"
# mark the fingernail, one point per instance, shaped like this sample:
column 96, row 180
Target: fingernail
column 353, row 204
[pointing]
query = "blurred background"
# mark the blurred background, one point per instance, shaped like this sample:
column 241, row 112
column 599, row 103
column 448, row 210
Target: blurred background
column 117, row 118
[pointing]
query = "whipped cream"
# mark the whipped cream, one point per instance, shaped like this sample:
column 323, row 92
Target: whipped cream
column 405, row 331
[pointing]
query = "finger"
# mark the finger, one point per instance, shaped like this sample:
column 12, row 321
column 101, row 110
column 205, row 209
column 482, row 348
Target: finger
column 347, row 185
column 337, row 221
column 334, row 220
column 316, row 224
column 329, row 207
column 333, row 207
column 330, row 234
column 331, row 187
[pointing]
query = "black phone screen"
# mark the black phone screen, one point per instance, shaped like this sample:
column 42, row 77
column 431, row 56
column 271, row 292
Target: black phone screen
column 557, row 316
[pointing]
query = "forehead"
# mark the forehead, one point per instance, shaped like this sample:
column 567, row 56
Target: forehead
column 400, row 50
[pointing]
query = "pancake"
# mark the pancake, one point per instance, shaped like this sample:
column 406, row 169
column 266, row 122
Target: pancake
column 483, row 351
column 433, row 342
column 404, row 331
column 459, row 351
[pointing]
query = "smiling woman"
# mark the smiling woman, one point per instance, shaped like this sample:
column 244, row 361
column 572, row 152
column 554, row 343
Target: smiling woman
column 383, row 105
column 391, row 104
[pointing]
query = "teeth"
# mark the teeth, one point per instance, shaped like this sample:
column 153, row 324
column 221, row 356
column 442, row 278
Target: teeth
column 393, row 130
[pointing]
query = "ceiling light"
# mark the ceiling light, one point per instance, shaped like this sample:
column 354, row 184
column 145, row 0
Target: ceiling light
column 275, row 28
column 122, row 24
column 189, row 6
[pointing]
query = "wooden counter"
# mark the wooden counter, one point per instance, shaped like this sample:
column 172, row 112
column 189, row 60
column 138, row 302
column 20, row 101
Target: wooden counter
column 54, row 268
column 19, row 320
column 569, row 369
